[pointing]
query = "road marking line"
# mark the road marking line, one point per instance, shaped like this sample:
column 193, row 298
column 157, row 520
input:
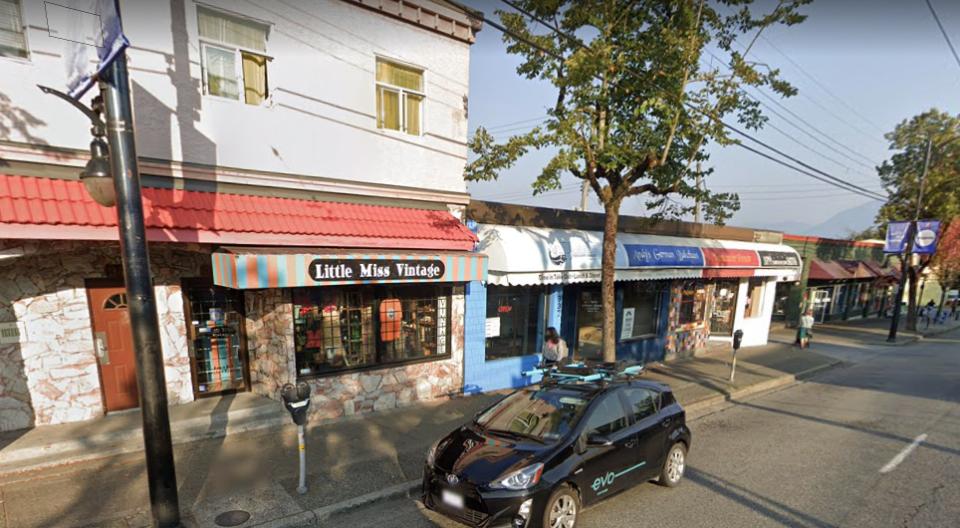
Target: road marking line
column 902, row 455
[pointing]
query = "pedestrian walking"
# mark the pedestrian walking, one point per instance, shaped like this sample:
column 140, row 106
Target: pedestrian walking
column 805, row 332
column 929, row 312
column 554, row 347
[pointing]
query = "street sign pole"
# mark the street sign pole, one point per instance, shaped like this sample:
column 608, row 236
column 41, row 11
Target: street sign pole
column 144, row 326
column 908, row 247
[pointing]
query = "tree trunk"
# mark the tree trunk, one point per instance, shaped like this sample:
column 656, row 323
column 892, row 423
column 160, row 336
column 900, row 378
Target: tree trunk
column 912, row 299
column 607, row 278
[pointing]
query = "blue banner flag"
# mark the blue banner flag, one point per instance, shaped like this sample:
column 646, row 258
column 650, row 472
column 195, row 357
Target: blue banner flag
column 925, row 243
column 896, row 237
column 92, row 35
column 651, row 255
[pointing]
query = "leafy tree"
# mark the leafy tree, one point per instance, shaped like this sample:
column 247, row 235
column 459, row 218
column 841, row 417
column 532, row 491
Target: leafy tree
column 947, row 260
column 937, row 132
column 637, row 102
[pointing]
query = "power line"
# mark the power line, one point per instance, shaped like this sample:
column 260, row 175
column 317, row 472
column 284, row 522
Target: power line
column 944, row 32
column 825, row 90
column 815, row 129
column 814, row 176
column 827, row 178
column 515, row 123
column 807, row 133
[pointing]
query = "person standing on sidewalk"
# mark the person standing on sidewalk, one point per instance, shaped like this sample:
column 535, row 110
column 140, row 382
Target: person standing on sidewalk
column 554, row 347
column 806, row 329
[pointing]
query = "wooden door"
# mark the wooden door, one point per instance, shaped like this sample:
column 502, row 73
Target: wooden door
column 113, row 344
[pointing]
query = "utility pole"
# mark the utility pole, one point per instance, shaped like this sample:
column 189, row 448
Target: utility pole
column 584, row 194
column 697, row 212
column 908, row 248
column 144, row 326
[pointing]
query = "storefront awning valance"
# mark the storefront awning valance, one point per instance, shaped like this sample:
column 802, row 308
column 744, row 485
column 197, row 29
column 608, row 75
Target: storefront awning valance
column 252, row 268
column 521, row 255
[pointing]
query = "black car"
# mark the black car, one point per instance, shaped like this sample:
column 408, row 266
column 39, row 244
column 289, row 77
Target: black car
column 537, row 456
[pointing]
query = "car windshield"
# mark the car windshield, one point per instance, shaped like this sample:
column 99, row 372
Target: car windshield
column 541, row 415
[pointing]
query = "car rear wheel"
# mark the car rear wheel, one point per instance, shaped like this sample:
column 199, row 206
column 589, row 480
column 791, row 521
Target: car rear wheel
column 673, row 466
column 562, row 508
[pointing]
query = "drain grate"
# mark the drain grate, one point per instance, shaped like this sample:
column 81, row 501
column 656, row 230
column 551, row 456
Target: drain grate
column 232, row 518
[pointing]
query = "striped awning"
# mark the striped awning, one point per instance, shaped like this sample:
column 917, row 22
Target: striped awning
column 253, row 268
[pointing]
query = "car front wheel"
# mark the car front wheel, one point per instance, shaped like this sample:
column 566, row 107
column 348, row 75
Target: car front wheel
column 562, row 509
column 673, row 466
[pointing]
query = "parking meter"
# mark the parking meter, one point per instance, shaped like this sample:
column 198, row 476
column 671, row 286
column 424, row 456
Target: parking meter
column 297, row 400
column 737, row 341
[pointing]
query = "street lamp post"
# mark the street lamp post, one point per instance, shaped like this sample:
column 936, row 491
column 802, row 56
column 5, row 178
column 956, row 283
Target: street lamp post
column 144, row 326
column 124, row 192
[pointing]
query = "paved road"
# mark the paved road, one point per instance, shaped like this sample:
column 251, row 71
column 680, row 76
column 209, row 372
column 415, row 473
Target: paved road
column 808, row 456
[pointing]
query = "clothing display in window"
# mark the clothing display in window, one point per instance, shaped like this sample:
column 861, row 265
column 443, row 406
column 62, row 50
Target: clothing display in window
column 339, row 329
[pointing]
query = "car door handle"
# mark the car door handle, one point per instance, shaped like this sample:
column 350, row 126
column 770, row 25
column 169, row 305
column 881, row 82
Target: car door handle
column 666, row 422
column 631, row 443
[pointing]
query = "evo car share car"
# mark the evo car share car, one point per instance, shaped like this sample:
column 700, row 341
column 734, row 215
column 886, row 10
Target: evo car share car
column 535, row 458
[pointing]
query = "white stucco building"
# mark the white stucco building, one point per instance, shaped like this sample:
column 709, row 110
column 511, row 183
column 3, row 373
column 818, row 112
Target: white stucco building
column 272, row 136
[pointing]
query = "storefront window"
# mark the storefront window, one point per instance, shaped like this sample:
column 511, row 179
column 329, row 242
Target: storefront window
column 590, row 325
column 216, row 332
column 639, row 314
column 514, row 321
column 338, row 329
column 693, row 297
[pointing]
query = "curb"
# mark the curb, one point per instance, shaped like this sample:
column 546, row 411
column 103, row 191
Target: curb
column 700, row 406
column 398, row 490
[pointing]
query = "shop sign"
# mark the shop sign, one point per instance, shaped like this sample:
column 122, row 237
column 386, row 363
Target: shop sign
column 651, row 255
column 569, row 276
column 626, row 331
column 778, row 259
column 731, row 258
column 492, row 327
column 329, row 270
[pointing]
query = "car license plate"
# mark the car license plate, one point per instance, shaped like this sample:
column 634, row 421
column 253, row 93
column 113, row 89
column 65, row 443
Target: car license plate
column 452, row 499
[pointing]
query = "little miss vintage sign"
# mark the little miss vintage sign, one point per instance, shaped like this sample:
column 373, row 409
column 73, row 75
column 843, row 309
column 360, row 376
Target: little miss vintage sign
column 326, row 270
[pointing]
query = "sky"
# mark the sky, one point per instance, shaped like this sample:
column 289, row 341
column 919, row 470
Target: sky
column 861, row 67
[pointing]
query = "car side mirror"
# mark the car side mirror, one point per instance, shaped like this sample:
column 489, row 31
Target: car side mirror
column 598, row 440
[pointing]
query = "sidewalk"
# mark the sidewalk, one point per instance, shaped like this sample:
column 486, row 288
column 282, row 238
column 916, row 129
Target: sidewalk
column 254, row 467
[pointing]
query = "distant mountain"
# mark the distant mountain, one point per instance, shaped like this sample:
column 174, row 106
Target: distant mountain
column 842, row 224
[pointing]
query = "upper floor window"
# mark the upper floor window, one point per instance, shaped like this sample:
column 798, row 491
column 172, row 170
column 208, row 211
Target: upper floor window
column 234, row 56
column 13, row 42
column 399, row 97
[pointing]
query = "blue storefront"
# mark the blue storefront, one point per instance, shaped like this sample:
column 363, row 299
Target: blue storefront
column 542, row 277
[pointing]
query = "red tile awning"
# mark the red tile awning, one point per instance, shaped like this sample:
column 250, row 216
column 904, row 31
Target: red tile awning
column 46, row 208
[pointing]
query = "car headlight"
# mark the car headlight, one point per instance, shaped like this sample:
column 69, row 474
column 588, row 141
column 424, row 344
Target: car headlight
column 432, row 453
column 521, row 479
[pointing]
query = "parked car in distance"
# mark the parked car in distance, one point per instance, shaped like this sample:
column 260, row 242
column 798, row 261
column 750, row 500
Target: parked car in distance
column 537, row 457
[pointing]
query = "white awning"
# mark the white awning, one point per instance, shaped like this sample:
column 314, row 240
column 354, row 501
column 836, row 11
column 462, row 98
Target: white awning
column 520, row 255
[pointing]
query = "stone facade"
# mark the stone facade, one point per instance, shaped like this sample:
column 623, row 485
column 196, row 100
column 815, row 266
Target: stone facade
column 51, row 375
column 272, row 363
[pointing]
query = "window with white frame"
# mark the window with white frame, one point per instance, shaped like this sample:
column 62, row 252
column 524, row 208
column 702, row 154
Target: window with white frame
column 234, row 56
column 13, row 41
column 399, row 97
